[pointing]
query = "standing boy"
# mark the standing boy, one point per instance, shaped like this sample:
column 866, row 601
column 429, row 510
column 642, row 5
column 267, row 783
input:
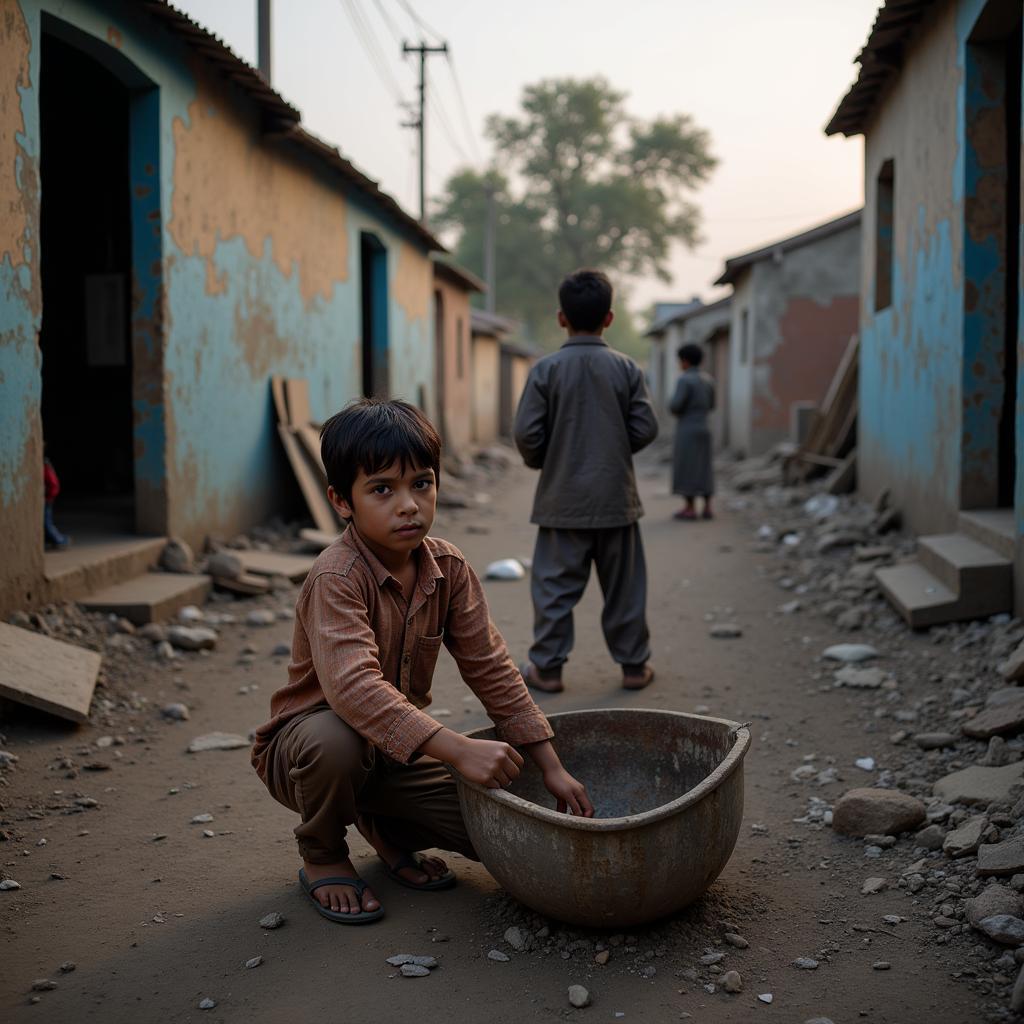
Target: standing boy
column 346, row 741
column 584, row 411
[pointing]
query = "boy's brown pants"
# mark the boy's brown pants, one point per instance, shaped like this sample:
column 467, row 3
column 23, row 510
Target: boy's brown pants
column 320, row 767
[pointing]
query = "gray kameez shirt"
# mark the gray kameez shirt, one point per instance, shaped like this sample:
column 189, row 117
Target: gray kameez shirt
column 583, row 413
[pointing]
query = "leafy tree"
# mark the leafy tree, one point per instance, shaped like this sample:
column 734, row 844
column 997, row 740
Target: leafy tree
column 577, row 182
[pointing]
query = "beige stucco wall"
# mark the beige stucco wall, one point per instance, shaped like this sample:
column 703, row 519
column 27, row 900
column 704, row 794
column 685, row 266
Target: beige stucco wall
column 486, row 388
column 456, row 417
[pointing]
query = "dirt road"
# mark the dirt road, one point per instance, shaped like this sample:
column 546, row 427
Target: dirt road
column 154, row 926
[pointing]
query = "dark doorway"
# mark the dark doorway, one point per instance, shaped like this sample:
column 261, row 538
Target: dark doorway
column 1008, row 419
column 373, row 277
column 85, row 253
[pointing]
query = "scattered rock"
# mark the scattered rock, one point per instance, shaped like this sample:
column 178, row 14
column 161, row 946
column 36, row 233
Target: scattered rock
column 850, row 653
column 505, row 569
column 165, row 652
column 225, row 565
column 190, row 614
column 766, row 997
column 978, row 785
column 806, row 963
column 996, row 720
column 261, row 617
column 176, row 556
column 881, row 965
column 732, row 982
column 725, row 631
column 994, row 901
column 217, row 741
column 43, row 985
column 965, row 840
column 934, row 740
column 281, row 650
column 1013, row 668
column 253, row 962
column 207, row 1003
column 412, row 958
column 175, row 712
column 192, row 638
column 602, row 957
column 578, row 996
column 998, row 754
column 860, row 678
column 1003, row 928
column 153, row 632
column 862, row 812
column 866, row 764
column 873, row 886
column 8, row 885
column 516, row 939
column 202, row 819
column 413, row 971
column 737, row 941
column 496, row 954
column 931, row 838
column 1006, row 858
column 272, row 920
column 67, row 967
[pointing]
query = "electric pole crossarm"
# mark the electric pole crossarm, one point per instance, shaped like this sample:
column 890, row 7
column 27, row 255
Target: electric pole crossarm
column 420, row 124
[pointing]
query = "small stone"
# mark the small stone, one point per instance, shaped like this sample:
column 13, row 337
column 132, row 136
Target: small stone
column 805, row 963
column 965, row 840
column 165, row 652
column 412, row 958
column 861, row 812
column 224, row 565
column 725, row 631
column 217, row 741
column 865, row 764
column 978, row 785
column 272, row 920
column 873, row 886
column 1003, row 928
column 190, row 615
column 860, row 678
column 931, row 838
column 252, row 962
column 153, row 632
column 1012, row 669
column 1006, row 858
column 261, row 617
column 8, row 885
column 881, row 965
column 993, row 901
column 192, row 638
column 207, row 1003
column 602, row 957
column 578, row 996
column 516, row 939
column 712, row 958
column 281, row 650
column 766, row 997
column 176, row 556
column 850, row 653
column 732, row 982
column 208, row 833
column 737, row 941
column 934, row 740
column 413, row 971
column 67, row 967
column 497, row 955
column 175, row 712
column 43, row 985
column 1004, row 717
column 202, row 819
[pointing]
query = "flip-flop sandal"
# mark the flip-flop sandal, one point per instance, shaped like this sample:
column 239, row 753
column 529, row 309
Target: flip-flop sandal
column 414, row 861
column 645, row 678
column 363, row 917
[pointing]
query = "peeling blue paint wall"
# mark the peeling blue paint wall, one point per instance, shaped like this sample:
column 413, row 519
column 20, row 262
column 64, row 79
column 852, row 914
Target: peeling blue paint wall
column 215, row 317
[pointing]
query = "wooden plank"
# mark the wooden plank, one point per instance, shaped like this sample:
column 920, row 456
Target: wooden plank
column 296, row 390
column 280, row 405
column 316, row 500
column 276, row 563
column 248, row 583
column 310, row 438
column 47, row 674
column 319, row 539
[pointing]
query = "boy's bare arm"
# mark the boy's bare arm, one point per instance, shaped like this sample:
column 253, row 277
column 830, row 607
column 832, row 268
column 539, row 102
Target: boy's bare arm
column 567, row 791
column 489, row 763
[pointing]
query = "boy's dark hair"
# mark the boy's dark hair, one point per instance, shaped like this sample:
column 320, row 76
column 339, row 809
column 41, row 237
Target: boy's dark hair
column 693, row 354
column 585, row 297
column 370, row 434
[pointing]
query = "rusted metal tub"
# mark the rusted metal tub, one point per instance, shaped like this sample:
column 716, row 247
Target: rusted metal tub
column 668, row 796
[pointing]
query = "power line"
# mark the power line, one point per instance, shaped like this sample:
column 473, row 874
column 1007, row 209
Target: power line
column 466, row 120
column 446, row 125
column 372, row 49
column 386, row 18
column 408, row 8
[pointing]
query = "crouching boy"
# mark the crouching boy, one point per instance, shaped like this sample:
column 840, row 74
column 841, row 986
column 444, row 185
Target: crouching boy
column 348, row 742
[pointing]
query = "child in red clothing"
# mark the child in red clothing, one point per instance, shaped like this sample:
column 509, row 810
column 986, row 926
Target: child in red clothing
column 51, row 488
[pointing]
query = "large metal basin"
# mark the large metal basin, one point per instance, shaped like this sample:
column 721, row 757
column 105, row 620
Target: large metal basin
column 668, row 796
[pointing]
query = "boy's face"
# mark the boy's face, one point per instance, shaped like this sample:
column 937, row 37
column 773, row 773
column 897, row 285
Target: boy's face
column 393, row 511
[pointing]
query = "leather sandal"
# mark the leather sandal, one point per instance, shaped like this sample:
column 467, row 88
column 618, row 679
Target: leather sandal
column 631, row 681
column 545, row 682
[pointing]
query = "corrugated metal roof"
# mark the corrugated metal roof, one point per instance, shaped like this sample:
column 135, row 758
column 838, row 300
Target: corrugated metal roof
column 280, row 118
column 459, row 275
column 482, row 322
column 880, row 61
column 736, row 264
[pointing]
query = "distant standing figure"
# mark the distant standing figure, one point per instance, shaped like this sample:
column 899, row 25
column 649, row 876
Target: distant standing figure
column 584, row 412
column 694, row 398
column 51, row 488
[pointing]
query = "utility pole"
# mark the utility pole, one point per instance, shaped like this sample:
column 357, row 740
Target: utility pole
column 489, row 242
column 263, row 38
column 421, row 122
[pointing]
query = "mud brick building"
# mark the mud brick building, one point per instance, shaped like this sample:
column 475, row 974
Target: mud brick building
column 170, row 237
column 938, row 101
column 794, row 309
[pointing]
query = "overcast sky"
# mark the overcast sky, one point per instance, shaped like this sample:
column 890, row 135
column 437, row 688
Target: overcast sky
column 763, row 78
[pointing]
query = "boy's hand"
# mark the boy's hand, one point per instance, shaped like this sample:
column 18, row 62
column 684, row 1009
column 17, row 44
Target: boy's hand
column 570, row 794
column 489, row 763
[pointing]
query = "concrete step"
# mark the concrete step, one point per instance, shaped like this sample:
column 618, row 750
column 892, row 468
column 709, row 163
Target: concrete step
column 980, row 577
column 95, row 562
column 150, row 597
column 993, row 527
column 917, row 595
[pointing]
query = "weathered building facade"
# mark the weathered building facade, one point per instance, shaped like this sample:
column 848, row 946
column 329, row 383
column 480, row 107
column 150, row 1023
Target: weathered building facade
column 938, row 101
column 170, row 237
column 793, row 311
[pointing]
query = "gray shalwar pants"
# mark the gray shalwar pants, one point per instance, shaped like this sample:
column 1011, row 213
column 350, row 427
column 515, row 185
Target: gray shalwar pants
column 561, row 569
